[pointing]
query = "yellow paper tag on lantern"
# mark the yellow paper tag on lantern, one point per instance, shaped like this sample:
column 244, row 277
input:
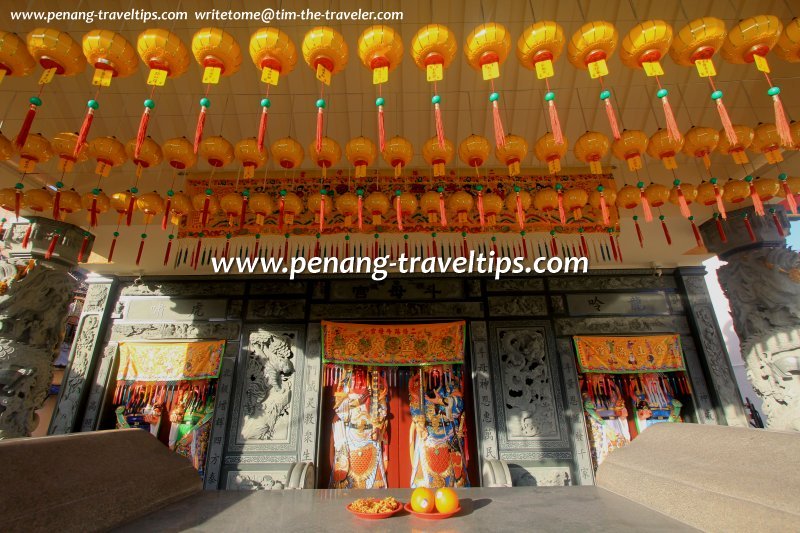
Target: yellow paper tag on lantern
column 652, row 68
column 773, row 156
column 513, row 169
column 157, row 77
column 211, row 75
column 491, row 70
column 102, row 169
column 249, row 171
column 2, row 74
column 102, row 77
column 270, row 76
column 434, row 72
column 380, row 75
column 707, row 162
column 598, row 68
column 323, row 74
column 635, row 163
column 26, row 165
column 65, row 165
column 554, row 166
column 739, row 157
column 705, row 68
column 139, row 169
column 398, row 170
column 761, row 63
column 544, row 69
column 438, row 170
column 669, row 163
column 47, row 76
column 596, row 167
column 361, row 171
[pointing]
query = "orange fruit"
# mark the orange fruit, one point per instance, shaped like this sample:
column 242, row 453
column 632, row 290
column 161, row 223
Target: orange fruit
column 422, row 500
column 446, row 500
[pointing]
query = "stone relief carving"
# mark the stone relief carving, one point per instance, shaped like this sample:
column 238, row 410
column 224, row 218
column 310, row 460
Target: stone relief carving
column 248, row 480
column 269, row 381
column 515, row 285
column 271, row 287
column 398, row 310
column 624, row 281
column 763, row 286
column 96, row 297
column 271, row 309
column 183, row 289
column 622, row 325
column 517, row 306
column 33, row 306
column 176, row 330
column 557, row 302
column 525, row 382
column 539, row 477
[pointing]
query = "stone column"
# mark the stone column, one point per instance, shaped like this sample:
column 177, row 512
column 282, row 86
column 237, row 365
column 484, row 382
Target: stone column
column 762, row 281
column 34, row 296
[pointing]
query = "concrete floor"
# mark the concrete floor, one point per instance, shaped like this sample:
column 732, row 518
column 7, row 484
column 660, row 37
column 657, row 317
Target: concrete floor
column 483, row 509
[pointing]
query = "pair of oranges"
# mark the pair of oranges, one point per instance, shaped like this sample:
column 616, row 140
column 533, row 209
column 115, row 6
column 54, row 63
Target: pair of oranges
column 424, row 500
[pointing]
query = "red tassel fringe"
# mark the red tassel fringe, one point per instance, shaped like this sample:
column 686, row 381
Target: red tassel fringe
column 698, row 239
column 672, row 124
column 93, row 212
column 166, row 254
column 749, row 228
column 281, row 212
column 442, row 211
column 553, row 246
column 84, row 132
column 520, row 213
column 781, row 123
column 25, row 129
column 555, row 123
column 721, row 230
column 198, row 130
column 142, row 132
column 111, row 249
column 319, row 129
column 778, row 226
column 604, row 210
column 613, row 247
column 57, row 206
column 720, row 203
column 790, row 198
column 139, row 254
column 481, row 215
column 381, row 130
column 82, row 251
column 437, row 117
column 204, row 212
column 262, row 128
column 243, row 215
column 666, row 233
column 758, row 205
column 562, row 216
column 499, row 133
column 129, row 212
column 648, row 213
column 682, row 203
column 399, row 213
column 27, row 237
column 321, row 214
column 584, row 246
column 612, row 119
column 639, row 233
column 726, row 123
column 50, row 249
column 17, row 203
column 165, row 218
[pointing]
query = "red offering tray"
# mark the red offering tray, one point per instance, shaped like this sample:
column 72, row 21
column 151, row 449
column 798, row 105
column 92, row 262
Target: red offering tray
column 432, row 516
column 376, row 516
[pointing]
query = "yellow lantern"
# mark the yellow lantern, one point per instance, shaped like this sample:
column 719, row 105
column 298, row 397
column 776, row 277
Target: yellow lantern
column 6, row 148
column 628, row 197
column 38, row 200
column 795, row 128
column 35, row 150
column 121, row 202
column 70, row 203
column 108, row 50
column 162, row 50
column 663, row 146
column 744, row 137
column 609, row 196
column 325, row 51
column 460, row 203
column 288, row 153
column 262, row 206
column 347, row 205
column 361, row 153
column 705, row 194
column 518, row 198
column 95, row 204
column 206, row 204
column 405, row 205
column 150, row 204
column 512, row 153
column 656, row 194
column 108, row 152
column 788, row 45
column 574, row 200
column 590, row 148
column 150, row 154
column 700, row 142
column 377, row 205
column 273, row 49
column 486, row 49
column 630, row 147
column 398, row 153
column 380, row 49
column 433, row 49
column 179, row 154
column 735, row 191
column 538, row 48
column 290, row 207
column 180, row 206
column 767, row 188
column 217, row 151
column 493, row 206
column 682, row 195
column 767, row 141
column 63, row 145
column 12, row 199
column 548, row 151
column 545, row 200
column 589, row 49
column 438, row 154
column 433, row 205
column 56, row 49
column 328, row 154
column 474, row 150
column 15, row 60
column 250, row 155
column 315, row 205
column 232, row 205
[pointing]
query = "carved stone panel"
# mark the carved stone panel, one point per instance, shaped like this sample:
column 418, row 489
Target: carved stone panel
column 122, row 331
column 170, row 309
column 618, row 303
column 397, row 310
column 311, row 393
column 268, row 287
column 584, row 472
column 538, row 476
column 484, row 399
column 520, row 306
column 222, row 407
column 624, row 281
column 184, row 289
column 397, row 289
column 276, row 309
column 257, row 479
column 515, row 285
column 622, row 325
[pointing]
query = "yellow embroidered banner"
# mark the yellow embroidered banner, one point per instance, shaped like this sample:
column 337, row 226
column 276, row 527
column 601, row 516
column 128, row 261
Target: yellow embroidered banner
column 393, row 345
column 627, row 355
column 169, row 361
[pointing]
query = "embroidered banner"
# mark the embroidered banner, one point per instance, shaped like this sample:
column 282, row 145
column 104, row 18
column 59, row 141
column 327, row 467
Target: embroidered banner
column 628, row 355
column 169, row 361
column 416, row 182
column 399, row 345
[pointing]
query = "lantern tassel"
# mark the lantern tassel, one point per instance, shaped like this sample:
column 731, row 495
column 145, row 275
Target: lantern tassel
column 129, row 212
column 319, row 129
column 792, row 203
column 555, row 123
column 243, row 214
column 437, row 117
column 50, row 249
column 139, row 253
column 604, row 210
column 167, row 253
column 17, row 202
column 111, row 249
column 683, row 205
column 321, row 215
column 27, row 237
column 57, row 205
column 726, row 123
column 434, row 248
column 758, row 205
column 781, row 123
column 198, row 130
column 262, row 127
column 619, row 248
column 524, row 247
column 360, row 213
column 256, row 247
column 286, row 250
column 481, row 214
column 142, row 132
column 25, row 129
column 553, row 245
column 165, row 218
column 666, row 232
column 720, row 229
column 93, row 212
column 562, row 216
column 520, row 213
column 399, row 211
column 204, row 212
column 612, row 119
column 196, row 257
column 381, row 129
column 778, row 226
column 698, row 239
column 613, row 247
column 499, row 133
column 669, row 117
column 648, row 213
column 720, row 203
column 442, row 211
column 584, row 246
column 82, row 251
column 464, row 247
column 749, row 228
column 639, row 233
column 84, row 132
column 281, row 212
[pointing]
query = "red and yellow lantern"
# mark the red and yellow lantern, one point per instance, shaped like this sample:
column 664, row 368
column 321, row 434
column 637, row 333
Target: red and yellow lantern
column 289, row 207
column 665, row 147
column 377, row 205
column 398, row 153
column 251, row 155
column 325, row 52
column 744, row 138
column 433, row 49
column 380, row 49
column 327, row 155
column 767, row 141
column 590, row 148
column 262, row 206
column 15, row 60
column 288, row 153
column 460, row 203
column 512, row 153
column 486, row 48
column 361, row 153
column 217, row 152
column 700, row 142
column 630, row 147
column 550, row 152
